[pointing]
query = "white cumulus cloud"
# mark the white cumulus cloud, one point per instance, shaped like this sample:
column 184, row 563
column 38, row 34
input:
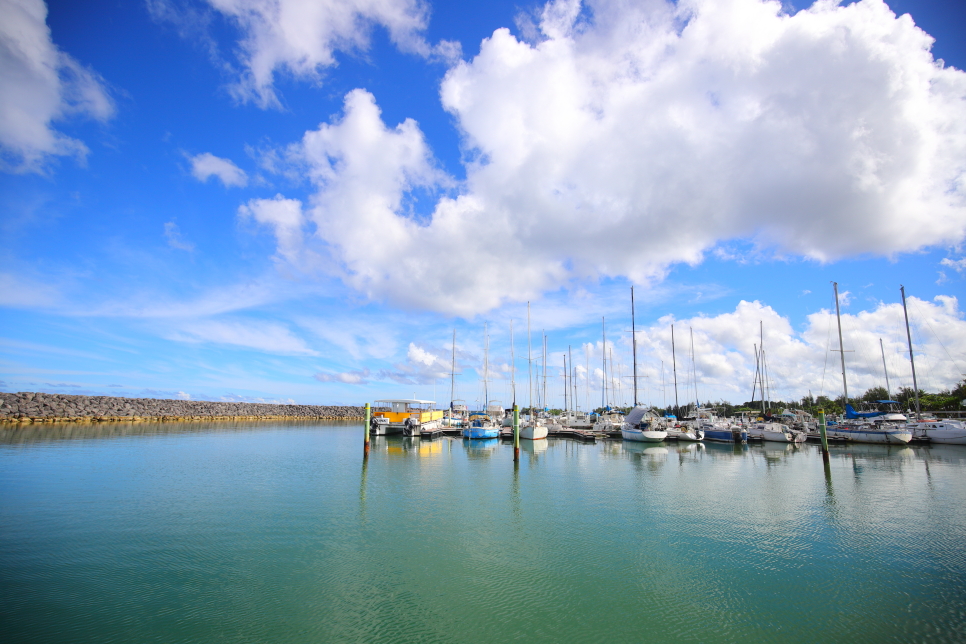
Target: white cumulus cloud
column 206, row 165
column 39, row 84
column 301, row 38
column 801, row 361
column 284, row 216
column 642, row 136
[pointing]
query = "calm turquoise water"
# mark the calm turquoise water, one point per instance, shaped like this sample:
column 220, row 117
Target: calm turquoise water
column 279, row 533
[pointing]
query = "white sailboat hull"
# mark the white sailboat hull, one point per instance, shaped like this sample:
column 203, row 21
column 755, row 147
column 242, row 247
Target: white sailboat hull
column 533, row 433
column 644, row 436
column 858, row 434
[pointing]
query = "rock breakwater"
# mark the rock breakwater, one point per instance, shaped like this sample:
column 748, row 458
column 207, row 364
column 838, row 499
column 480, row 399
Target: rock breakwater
column 31, row 407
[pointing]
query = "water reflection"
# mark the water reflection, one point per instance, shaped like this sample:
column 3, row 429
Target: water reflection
column 480, row 447
column 534, row 447
column 410, row 446
column 687, row 451
column 53, row 432
column 128, row 540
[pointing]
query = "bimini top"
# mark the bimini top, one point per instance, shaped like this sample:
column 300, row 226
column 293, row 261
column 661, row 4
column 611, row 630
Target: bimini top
column 411, row 401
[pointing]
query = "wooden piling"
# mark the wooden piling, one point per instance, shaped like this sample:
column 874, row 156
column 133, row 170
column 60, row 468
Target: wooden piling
column 365, row 452
column 516, row 434
column 823, row 434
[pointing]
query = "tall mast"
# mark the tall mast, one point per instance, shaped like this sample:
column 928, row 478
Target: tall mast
column 452, row 375
column 694, row 371
column 754, row 384
column 603, row 365
column 634, row 345
column 486, row 367
column 885, row 370
column 513, row 367
column 566, row 383
column 674, row 364
column 529, row 367
column 545, row 370
column 573, row 380
column 912, row 360
column 838, row 318
column 765, row 385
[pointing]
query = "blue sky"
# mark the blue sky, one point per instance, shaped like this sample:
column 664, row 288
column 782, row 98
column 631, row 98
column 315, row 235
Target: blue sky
column 216, row 200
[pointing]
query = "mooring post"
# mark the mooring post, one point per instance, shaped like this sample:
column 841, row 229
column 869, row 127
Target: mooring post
column 516, row 433
column 365, row 452
column 823, row 434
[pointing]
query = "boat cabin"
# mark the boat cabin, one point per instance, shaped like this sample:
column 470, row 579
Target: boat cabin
column 397, row 410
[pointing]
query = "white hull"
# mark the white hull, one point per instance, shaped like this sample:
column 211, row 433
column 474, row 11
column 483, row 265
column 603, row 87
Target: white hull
column 644, row 436
column 775, row 437
column 950, row 432
column 384, row 429
column 684, row 434
column 416, row 429
column 607, row 425
column 532, row 433
column 891, row 436
column 947, row 437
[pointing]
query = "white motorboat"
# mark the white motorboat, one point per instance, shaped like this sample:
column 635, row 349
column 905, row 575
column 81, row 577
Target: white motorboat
column 776, row 433
column 609, row 421
column 683, row 432
column 951, row 432
column 495, row 410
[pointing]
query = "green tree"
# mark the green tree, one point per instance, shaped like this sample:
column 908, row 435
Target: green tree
column 875, row 393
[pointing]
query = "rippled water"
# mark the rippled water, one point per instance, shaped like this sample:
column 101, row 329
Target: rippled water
column 279, row 533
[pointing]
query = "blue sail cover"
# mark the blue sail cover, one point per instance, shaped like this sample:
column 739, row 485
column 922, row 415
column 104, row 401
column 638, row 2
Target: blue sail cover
column 635, row 416
column 851, row 413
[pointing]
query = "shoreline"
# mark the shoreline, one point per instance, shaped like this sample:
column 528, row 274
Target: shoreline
column 24, row 408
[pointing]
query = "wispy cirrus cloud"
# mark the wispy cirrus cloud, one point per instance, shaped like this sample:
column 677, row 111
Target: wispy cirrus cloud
column 173, row 234
column 359, row 377
column 269, row 337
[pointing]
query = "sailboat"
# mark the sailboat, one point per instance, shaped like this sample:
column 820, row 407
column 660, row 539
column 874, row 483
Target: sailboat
column 481, row 425
column 533, row 428
column 641, row 424
column 458, row 411
column 675, row 430
column 935, row 430
column 857, row 429
column 609, row 419
column 767, row 429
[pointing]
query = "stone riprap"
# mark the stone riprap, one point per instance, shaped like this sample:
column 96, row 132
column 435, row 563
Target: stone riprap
column 27, row 407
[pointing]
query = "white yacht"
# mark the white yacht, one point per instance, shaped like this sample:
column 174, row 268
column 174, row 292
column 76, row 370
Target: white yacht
column 945, row 430
column 776, row 433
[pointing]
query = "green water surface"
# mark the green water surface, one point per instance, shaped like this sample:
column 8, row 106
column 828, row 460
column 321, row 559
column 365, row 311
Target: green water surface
column 281, row 533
